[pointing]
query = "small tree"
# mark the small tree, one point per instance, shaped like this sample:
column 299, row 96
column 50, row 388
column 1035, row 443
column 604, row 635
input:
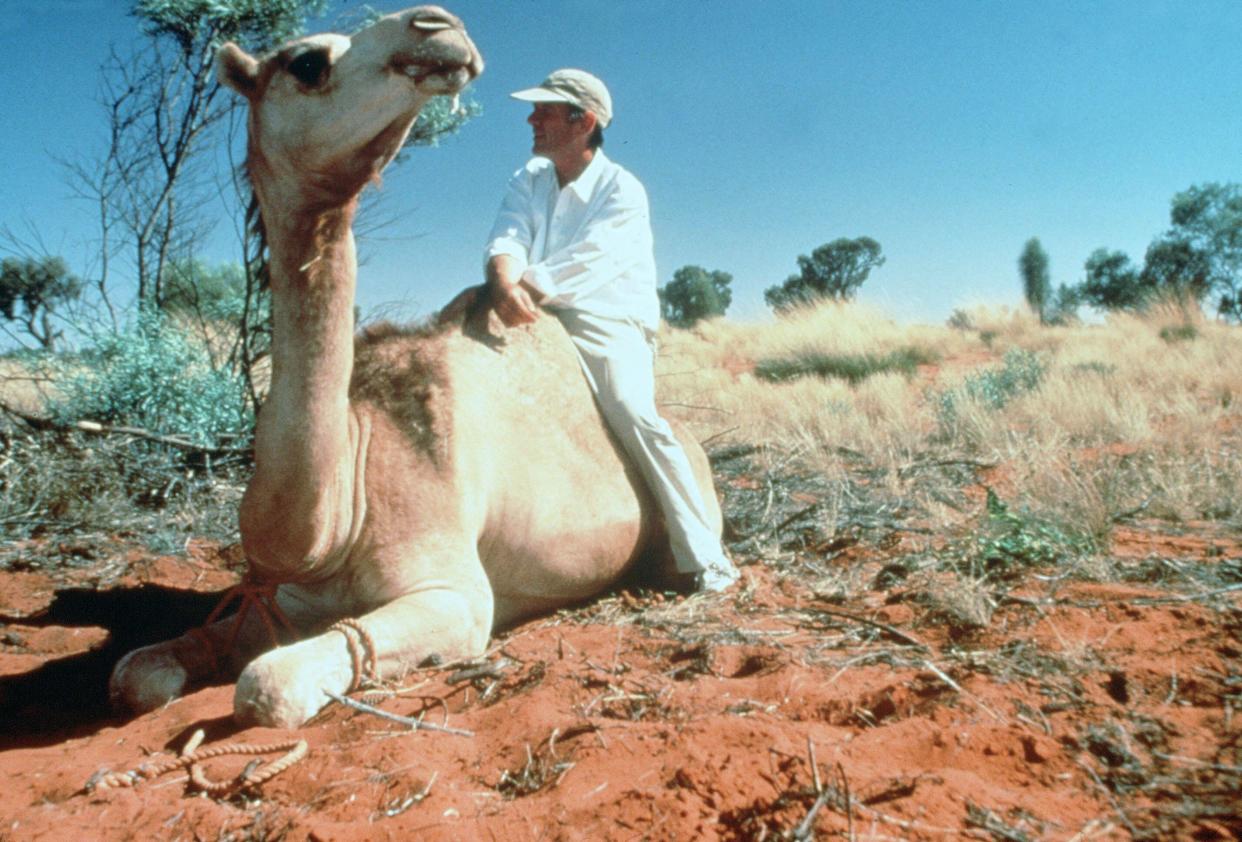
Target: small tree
column 694, row 294
column 1036, row 283
column 1204, row 245
column 1175, row 264
column 1062, row 308
column 30, row 292
column 834, row 271
column 1112, row 282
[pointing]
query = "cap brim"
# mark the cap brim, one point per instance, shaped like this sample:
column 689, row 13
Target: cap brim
column 540, row 95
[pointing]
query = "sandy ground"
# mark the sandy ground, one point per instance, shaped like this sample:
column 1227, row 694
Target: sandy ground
column 1083, row 711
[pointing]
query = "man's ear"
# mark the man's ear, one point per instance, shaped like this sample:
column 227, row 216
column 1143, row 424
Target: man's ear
column 237, row 69
column 588, row 122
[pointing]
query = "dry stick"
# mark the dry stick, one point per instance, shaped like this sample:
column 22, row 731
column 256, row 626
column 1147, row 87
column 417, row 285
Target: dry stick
column 810, row 749
column 41, row 423
column 1216, row 767
column 849, row 801
column 803, row 830
column 491, row 669
column 1121, row 814
column 715, row 436
column 943, row 676
column 1187, row 598
column 414, row 724
column 897, row 633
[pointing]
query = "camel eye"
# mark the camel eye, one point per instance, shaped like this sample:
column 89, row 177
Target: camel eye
column 311, row 67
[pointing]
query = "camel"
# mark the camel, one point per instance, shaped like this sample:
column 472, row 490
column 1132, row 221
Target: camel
column 414, row 489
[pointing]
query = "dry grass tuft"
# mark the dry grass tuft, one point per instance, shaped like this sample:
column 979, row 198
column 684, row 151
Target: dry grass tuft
column 1093, row 424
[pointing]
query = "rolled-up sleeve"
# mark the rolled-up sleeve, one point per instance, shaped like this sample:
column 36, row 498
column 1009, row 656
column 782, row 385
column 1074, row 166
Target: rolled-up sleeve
column 513, row 232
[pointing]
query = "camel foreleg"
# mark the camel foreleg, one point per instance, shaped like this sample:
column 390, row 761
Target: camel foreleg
column 154, row 675
column 287, row 686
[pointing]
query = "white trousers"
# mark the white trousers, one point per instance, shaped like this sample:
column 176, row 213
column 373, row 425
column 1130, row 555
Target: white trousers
column 618, row 359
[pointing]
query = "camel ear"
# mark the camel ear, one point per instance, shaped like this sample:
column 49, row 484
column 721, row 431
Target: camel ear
column 237, row 69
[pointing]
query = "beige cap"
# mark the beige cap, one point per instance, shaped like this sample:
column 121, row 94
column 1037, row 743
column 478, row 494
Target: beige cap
column 576, row 87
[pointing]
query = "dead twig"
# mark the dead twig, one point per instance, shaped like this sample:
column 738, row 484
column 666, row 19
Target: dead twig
column 1194, row 597
column 94, row 427
column 884, row 627
column 491, row 669
column 944, row 676
column 414, row 724
column 1121, row 814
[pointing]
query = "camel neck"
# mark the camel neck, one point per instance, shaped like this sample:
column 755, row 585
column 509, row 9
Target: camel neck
column 306, row 442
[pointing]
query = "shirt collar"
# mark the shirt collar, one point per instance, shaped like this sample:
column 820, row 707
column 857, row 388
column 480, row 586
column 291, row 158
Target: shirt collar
column 584, row 185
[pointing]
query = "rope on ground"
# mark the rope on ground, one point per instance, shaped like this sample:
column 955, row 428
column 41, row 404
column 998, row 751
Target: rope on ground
column 191, row 760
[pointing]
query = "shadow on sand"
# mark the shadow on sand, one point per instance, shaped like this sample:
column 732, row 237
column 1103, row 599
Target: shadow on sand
column 68, row 697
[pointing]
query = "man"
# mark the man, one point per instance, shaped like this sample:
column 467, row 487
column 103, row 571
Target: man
column 574, row 235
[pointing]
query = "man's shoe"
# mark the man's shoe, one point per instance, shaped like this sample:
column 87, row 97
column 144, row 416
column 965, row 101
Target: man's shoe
column 716, row 578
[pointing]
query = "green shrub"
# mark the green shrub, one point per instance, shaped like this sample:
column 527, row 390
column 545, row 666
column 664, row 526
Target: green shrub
column 1179, row 333
column 850, row 367
column 1096, row 367
column 1008, row 541
column 1020, row 372
column 156, row 376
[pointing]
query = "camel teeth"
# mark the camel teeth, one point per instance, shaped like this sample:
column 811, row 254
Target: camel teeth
column 455, row 105
column 431, row 25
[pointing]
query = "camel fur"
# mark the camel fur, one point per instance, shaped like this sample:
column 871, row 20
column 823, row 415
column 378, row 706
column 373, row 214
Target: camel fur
column 434, row 483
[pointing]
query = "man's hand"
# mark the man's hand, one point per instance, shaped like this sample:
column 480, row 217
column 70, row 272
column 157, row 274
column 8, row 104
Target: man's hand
column 515, row 301
column 514, row 304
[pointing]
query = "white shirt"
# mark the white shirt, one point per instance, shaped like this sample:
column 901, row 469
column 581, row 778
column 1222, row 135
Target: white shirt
column 586, row 246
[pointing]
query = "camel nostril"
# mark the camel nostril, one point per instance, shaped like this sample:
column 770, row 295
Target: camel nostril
column 431, row 23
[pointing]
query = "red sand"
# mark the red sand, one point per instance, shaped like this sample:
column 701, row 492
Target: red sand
column 640, row 718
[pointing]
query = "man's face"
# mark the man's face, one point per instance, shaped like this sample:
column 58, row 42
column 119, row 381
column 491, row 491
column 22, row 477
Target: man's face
column 554, row 132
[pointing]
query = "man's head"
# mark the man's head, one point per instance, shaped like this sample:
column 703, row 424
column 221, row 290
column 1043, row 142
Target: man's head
column 570, row 106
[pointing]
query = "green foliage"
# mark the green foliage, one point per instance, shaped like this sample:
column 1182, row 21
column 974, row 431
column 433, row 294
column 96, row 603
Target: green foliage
column 1207, row 230
column 1009, row 541
column 441, row 117
column 695, row 293
column 1096, row 367
column 1036, row 281
column 852, row 368
column 154, row 375
column 31, row 290
column 1173, row 264
column 255, row 24
column 1179, row 333
column 1113, row 283
column 834, row 271
column 1063, row 308
column 960, row 320
column 208, row 293
column 1200, row 254
column 1020, row 372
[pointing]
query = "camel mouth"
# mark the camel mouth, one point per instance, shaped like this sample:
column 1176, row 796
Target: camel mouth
column 438, row 78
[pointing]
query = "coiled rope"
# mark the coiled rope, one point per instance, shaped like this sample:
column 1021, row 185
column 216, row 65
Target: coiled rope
column 191, row 759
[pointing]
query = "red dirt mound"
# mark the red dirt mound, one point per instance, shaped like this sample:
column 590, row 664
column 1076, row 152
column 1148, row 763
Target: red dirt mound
column 1080, row 712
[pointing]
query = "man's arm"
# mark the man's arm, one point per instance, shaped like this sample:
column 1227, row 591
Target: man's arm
column 514, row 300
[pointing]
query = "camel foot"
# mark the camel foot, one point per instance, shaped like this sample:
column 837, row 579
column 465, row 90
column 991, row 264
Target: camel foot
column 286, row 686
column 147, row 679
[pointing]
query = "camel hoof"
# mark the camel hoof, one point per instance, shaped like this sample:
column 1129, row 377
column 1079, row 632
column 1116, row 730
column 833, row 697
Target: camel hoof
column 285, row 687
column 146, row 679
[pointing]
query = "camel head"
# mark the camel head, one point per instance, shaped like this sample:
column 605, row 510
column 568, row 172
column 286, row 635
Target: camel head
column 328, row 112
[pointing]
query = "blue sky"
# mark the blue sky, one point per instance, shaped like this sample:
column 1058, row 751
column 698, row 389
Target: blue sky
column 949, row 131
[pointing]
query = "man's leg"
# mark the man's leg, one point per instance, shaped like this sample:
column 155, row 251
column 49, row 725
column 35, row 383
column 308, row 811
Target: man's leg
column 618, row 361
